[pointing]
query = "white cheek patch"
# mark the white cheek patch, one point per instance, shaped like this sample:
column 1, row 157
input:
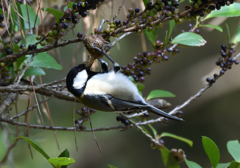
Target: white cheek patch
column 80, row 80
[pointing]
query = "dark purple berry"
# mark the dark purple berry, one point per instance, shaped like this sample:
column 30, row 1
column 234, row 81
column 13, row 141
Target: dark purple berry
column 22, row 45
column 74, row 21
column 74, row 6
column 137, row 10
column 224, row 55
column 79, row 35
column 118, row 22
column 34, row 46
column 213, row 80
column 215, row 75
column 146, row 114
column 8, row 51
column 222, row 72
column 30, row 47
column 179, row 113
column 223, row 47
column 119, row 118
column 141, row 79
column 65, row 25
column 208, row 79
column 1, row 18
column 84, row 14
column 236, row 61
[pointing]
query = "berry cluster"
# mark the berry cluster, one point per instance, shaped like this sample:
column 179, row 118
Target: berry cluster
column 211, row 5
column 143, row 61
column 84, row 117
column 225, row 62
column 84, row 113
column 5, row 75
column 123, row 120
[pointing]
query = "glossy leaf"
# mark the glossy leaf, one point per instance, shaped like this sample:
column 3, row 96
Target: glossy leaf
column 192, row 164
column 58, row 14
column 228, row 31
column 212, row 26
column 189, row 39
column 171, row 27
column 140, row 87
column 35, row 145
column 61, row 161
column 45, row 60
column 64, row 153
column 159, row 93
column 151, row 35
column 223, row 165
column 234, row 164
column 168, row 159
column 212, row 151
column 166, row 134
column 153, row 130
column 232, row 10
column 237, row 36
column 34, row 71
column 234, row 149
column 32, row 16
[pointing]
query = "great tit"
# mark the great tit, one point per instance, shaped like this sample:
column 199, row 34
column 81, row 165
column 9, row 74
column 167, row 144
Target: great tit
column 108, row 90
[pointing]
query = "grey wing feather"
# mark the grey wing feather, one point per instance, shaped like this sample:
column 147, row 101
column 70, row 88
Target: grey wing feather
column 121, row 105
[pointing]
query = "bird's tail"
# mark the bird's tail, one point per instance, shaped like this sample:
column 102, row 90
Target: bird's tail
column 162, row 113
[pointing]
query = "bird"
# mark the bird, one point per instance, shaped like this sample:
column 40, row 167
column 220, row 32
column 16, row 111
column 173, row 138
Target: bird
column 108, row 90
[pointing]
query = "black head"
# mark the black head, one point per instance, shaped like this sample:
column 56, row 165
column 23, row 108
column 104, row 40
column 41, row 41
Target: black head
column 81, row 74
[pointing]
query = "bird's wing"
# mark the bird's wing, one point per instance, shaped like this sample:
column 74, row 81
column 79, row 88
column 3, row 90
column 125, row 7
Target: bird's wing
column 121, row 105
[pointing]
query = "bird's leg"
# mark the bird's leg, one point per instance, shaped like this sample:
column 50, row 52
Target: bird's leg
column 115, row 65
column 104, row 65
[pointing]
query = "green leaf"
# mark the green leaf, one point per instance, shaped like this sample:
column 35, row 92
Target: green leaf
column 112, row 166
column 34, row 144
column 45, row 60
column 223, row 165
column 166, row 38
column 1, row 12
column 232, row 10
column 237, row 36
column 19, row 62
column 61, row 161
column 64, row 153
column 153, row 130
column 140, row 87
column 22, row 28
column 30, row 39
column 192, row 164
column 189, row 39
column 159, row 93
column 168, row 159
column 32, row 16
column 14, row 23
column 58, row 14
column 151, row 35
column 34, row 71
column 166, row 134
column 145, row 2
column 228, row 31
column 212, row 26
column 234, row 149
column 181, row 1
column 171, row 27
column 212, row 151
column 234, row 164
